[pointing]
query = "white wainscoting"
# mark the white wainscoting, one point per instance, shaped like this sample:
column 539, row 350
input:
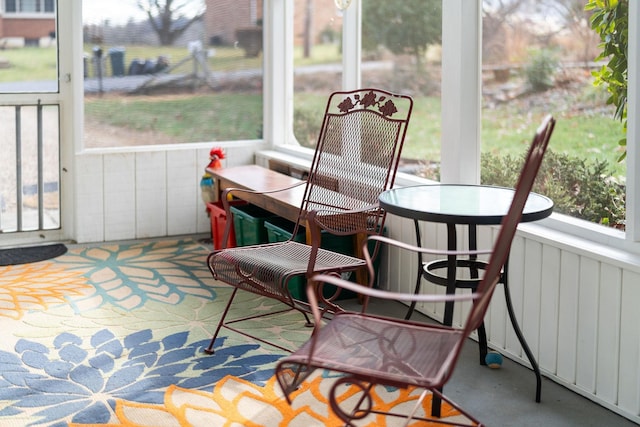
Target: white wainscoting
column 577, row 304
column 145, row 192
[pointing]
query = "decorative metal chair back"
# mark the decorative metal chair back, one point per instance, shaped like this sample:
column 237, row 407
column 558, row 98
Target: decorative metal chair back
column 356, row 159
column 372, row 349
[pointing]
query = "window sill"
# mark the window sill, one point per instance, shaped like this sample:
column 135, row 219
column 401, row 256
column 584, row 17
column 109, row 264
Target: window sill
column 557, row 227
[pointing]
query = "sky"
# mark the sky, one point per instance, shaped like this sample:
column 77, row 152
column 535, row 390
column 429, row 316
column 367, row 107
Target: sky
column 116, row 11
column 119, row 12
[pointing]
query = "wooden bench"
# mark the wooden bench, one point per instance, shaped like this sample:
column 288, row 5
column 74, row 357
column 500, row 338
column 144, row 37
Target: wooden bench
column 285, row 204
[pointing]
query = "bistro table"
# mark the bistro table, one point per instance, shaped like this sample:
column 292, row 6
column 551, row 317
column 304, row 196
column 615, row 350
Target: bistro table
column 470, row 205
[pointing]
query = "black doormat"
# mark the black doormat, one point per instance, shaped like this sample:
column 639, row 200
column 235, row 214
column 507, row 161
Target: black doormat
column 31, row 254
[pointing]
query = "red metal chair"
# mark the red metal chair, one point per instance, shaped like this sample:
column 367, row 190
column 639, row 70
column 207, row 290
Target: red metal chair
column 356, row 159
column 372, row 350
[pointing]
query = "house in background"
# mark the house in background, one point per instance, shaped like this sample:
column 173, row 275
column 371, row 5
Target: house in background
column 27, row 23
column 313, row 20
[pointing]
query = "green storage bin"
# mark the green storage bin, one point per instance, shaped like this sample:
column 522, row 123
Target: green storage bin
column 341, row 244
column 280, row 230
column 248, row 222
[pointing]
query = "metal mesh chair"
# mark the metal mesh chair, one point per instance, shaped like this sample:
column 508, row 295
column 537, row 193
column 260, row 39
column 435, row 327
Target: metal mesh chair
column 356, row 159
column 374, row 350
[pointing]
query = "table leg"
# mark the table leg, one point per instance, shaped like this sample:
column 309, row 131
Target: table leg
column 419, row 276
column 516, row 328
column 475, row 274
column 451, row 273
column 448, row 306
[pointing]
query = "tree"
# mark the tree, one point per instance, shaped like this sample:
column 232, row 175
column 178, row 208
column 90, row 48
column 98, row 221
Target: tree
column 495, row 22
column 576, row 18
column 610, row 20
column 170, row 18
column 403, row 27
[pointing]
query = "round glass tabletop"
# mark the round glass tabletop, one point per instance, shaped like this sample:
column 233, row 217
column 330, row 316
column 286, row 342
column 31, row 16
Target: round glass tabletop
column 460, row 204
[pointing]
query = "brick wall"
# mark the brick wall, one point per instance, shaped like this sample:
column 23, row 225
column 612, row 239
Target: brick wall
column 223, row 17
column 27, row 28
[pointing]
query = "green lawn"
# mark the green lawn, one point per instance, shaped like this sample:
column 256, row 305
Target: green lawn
column 504, row 131
column 187, row 119
column 238, row 116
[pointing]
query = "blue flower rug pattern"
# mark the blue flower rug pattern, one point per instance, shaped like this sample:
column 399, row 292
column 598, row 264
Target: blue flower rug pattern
column 113, row 335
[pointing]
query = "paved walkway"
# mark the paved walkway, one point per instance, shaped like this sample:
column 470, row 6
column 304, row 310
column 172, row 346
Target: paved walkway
column 133, row 83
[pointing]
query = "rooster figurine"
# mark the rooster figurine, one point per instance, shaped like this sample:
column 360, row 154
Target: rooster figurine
column 206, row 183
column 215, row 155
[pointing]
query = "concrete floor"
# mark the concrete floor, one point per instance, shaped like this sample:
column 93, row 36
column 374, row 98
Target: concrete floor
column 506, row 396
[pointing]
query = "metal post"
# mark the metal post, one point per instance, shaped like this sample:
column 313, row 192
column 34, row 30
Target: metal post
column 40, row 168
column 18, row 168
column 97, row 54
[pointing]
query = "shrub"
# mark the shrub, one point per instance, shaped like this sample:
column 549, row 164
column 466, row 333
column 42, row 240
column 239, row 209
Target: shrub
column 578, row 188
column 307, row 126
column 540, row 71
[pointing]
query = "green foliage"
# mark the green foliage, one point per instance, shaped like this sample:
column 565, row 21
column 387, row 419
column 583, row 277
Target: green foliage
column 306, row 125
column 579, row 188
column 185, row 119
column 409, row 26
column 610, row 19
column 541, row 69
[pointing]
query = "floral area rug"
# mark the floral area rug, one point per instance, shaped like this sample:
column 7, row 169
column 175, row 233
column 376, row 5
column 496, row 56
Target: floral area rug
column 114, row 336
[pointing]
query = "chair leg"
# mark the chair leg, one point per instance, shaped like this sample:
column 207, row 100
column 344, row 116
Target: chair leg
column 209, row 350
column 308, row 323
column 436, row 404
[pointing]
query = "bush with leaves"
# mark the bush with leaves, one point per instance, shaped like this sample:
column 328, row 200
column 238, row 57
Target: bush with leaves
column 541, row 69
column 578, row 188
column 307, row 126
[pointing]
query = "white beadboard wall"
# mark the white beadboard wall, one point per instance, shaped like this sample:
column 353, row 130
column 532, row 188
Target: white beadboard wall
column 145, row 192
column 576, row 303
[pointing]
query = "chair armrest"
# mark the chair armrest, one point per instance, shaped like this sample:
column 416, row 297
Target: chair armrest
column 429, row 251
column 226, row 191
column 376, row 293
column 389, row 295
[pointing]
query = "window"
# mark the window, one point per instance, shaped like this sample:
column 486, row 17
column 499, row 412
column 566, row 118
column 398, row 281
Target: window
column 401, row 46
column 318, row 63
column 29, row 61
column 198, row 79
column 537, row 62
column 30, row 6
column 402, row 58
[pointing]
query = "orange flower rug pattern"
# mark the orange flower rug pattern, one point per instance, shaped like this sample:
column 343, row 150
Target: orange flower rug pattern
column 113, row 335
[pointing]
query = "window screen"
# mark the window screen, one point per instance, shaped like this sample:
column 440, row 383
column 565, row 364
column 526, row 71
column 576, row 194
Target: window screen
column 196, row 77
